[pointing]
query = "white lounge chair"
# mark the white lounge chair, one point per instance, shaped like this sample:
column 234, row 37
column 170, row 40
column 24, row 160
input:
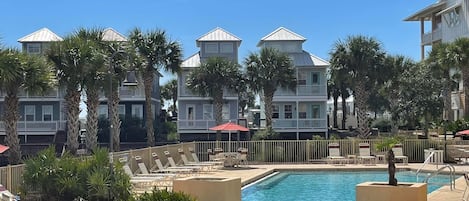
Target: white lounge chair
column 334, row 154
column 196, row 158
column 365, row 154
column 243, row 156
column 186, row 161
column 399, row 154
column 159, row 167
column 146, row 180
column 172, row 163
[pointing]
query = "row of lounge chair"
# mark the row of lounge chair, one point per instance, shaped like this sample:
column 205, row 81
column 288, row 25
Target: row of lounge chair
column 161, row 176
column 364, row 156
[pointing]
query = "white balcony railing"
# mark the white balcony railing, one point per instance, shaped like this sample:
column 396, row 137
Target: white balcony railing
column 299, row 123
column 37, row 126
column 430, row 37
column 198, row 124
column 53, row 93
column 303, row 90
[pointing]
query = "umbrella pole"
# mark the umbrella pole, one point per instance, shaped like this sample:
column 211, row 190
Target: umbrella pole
column 229, row 141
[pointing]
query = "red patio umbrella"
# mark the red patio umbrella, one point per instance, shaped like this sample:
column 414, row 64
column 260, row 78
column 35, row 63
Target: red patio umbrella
column 463, row 132
column 230, row 126
column 3, row 148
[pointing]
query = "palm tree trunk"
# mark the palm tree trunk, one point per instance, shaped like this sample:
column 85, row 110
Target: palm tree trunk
column 148, row 84
column 72, row 99
column 344, row 113
column 447, row 100
column 334, row 112
column 218, row 102
column 268, row 96
column 92, row 104
column 465, row 75
column 11, row 118
column 114, row 120
column 361, row 97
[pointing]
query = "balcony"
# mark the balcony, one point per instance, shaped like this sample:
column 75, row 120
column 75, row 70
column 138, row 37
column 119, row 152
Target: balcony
column 37, row 126
column 131, row 92
column 299, row 124
column 304, row 90
column 53, row 93
column 198, row 124
column 430, row 37
column 185, row 92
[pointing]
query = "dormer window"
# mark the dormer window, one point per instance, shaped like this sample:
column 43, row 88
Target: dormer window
column 211, row 48
column 34, row 48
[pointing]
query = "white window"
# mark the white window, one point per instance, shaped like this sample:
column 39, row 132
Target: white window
column 102, row 111
column 275, row 111
column 153, row 109
column 121, row 109
column 302, row 111
column 302, row 78
column 315, row 111
column 211, row 48
column 47, row 112
column 29, row 112
column 225, row 112
column 34, row 48
column 208, row 111
column 137, row 111
column 226, row 48
column 288, row 111
column 315, row 78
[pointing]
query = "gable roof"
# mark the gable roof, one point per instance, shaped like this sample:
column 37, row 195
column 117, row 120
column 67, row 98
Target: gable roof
column 218, row 34
column 110, row 34
column 41, row 35
column 427, row 12
column 192, row 61
column 281, row 34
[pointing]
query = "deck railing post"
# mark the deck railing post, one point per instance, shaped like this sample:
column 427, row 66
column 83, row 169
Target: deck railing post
column 263, row 150
column 307, row 148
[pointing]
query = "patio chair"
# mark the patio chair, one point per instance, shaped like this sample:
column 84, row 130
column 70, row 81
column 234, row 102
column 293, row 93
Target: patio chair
column 160, row 168
column 215, row 157
column 399, row 154
column 334, row 154
column 143, row 170
column 365, row 154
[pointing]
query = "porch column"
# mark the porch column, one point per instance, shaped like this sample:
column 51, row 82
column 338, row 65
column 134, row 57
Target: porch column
column 422, row 32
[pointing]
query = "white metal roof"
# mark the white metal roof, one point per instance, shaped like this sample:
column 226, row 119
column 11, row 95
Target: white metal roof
column 426, row 12
column 110, row 34
column 281, row 34
column 192, row 61
column 306, row 59
column 41, row 35
column 218, row 34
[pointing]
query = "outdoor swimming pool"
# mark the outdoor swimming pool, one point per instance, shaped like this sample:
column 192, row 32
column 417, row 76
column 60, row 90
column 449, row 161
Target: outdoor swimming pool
column 323, row 185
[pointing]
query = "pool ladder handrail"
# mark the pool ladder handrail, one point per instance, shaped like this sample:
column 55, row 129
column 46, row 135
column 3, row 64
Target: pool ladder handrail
column 427, row 160
column 452, row 170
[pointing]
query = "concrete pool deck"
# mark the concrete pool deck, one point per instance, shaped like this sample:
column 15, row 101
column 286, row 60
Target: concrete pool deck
column 254, row 172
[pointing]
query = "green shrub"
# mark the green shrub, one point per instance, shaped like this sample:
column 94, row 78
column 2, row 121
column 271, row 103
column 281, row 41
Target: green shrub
column 68, row 177
column 163, row 195
column 267, row 134
column 384, row 125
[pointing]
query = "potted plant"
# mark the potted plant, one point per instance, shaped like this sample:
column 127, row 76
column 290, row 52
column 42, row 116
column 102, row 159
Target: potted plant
column 392, row 190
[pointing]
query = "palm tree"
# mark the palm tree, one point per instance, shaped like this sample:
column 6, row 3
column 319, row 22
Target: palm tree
column 20, row 71
column 68, row 60
column 391, row 88
column 158, row 53
column 440, row 61
column 459, row 50
column 169, row 91
column 211, row 78
column 334, row 92
column 267, row 71
column 361, row 57
column 94, row 70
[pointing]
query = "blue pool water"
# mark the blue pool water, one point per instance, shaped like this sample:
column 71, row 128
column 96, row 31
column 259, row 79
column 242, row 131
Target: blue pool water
column 323, row 185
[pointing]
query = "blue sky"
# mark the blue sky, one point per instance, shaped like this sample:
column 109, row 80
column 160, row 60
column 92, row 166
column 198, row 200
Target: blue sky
column 321, row 22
